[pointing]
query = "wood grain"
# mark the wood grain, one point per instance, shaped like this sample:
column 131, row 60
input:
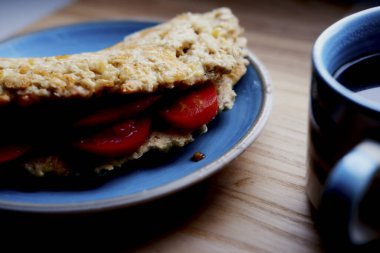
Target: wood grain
column 258, row 202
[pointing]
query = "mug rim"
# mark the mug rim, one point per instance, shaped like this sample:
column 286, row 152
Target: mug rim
column 318, row 64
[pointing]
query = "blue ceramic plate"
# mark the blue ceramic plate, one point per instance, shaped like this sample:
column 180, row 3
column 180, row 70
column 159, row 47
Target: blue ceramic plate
column 229, row 134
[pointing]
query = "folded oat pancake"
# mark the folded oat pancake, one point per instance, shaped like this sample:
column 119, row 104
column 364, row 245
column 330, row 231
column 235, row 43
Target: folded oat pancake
column 187, row 52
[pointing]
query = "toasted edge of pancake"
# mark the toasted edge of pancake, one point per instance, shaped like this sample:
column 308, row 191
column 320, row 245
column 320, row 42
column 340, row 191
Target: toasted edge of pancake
column 187, row 50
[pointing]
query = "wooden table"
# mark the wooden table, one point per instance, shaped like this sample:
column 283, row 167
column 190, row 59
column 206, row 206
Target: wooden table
column 258, row 202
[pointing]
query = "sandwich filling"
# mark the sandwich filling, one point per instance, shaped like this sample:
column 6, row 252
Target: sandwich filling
column 95, row 111
column 104, row 133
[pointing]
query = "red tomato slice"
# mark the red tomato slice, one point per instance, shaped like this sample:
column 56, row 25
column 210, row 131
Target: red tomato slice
column 112, row 114
column 11, row 152
column 193, row 109
column 121, row 139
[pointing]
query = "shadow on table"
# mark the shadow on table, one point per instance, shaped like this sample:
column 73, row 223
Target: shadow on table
column 334, row 240
column 108, row 231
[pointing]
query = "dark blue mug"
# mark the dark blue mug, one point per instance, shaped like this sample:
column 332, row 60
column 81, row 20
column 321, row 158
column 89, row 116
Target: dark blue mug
column 344, row 135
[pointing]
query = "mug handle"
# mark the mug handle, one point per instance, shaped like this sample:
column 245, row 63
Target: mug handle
column 345, row 188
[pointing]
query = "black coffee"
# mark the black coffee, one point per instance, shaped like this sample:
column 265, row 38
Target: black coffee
column 362, row 76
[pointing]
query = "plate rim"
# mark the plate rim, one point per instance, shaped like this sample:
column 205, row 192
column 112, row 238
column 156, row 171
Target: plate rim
column 172, row 187
column 17, row 36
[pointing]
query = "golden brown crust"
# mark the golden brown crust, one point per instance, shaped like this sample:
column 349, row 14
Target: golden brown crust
column 189, row 49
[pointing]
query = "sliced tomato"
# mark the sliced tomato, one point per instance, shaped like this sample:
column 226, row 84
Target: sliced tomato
column 112, row 114
column 121, row 139
column 11, row 152
column 193, row 109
